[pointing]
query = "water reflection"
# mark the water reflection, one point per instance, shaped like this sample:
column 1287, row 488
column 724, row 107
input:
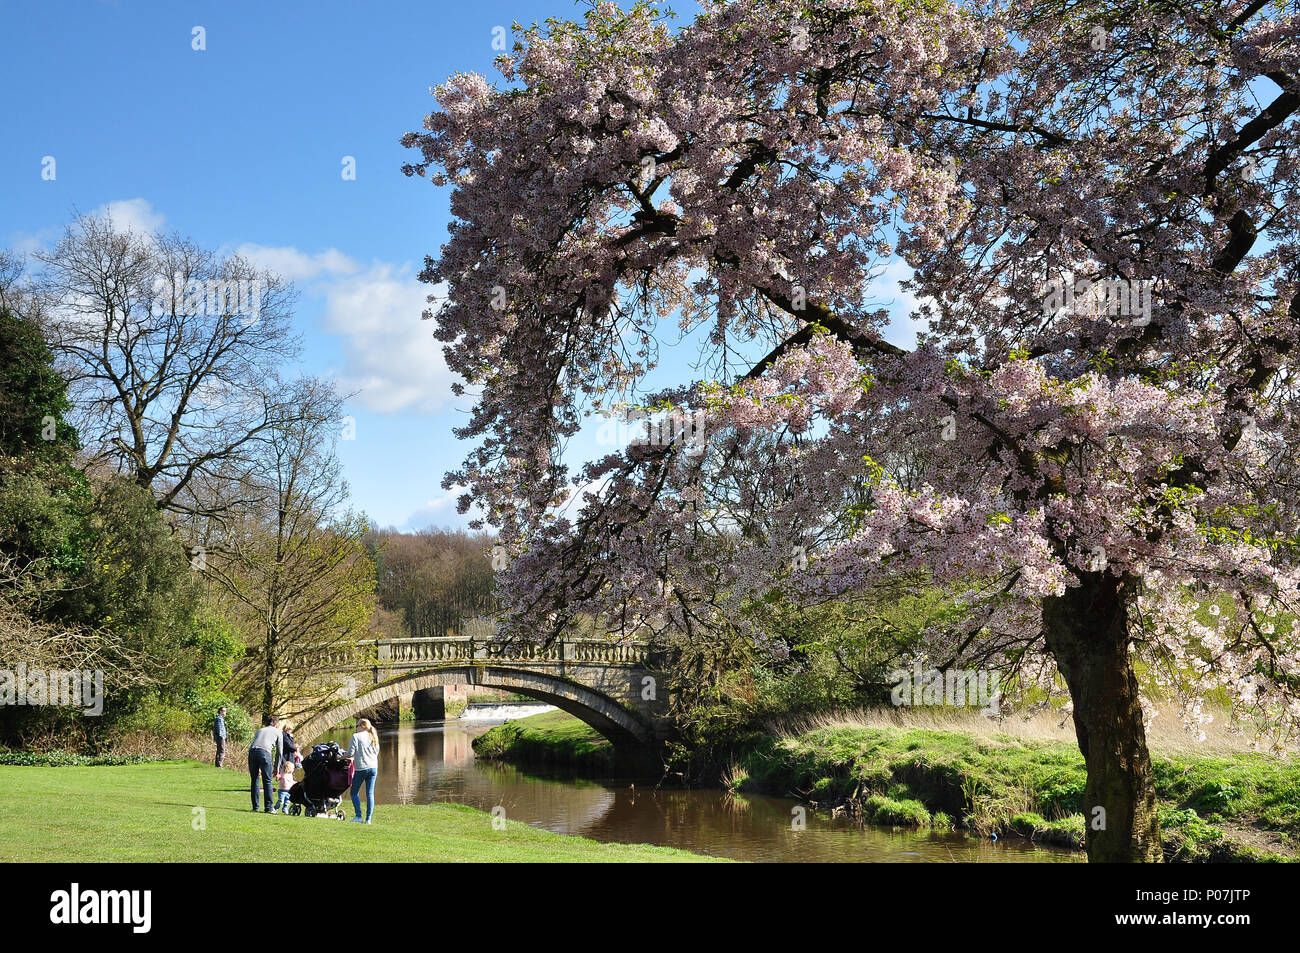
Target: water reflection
column 423, row 762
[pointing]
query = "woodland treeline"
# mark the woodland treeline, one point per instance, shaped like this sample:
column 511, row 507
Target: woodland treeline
column 431, row 583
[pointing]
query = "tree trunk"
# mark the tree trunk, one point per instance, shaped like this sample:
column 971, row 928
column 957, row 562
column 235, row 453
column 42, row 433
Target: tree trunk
column 1086, row 630
column 268, row 673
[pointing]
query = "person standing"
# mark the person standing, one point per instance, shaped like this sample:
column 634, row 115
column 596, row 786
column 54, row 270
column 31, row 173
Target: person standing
column 264, row 759
column 288, row 747
column 364, row 752
column 219, row 734
column 285, row 780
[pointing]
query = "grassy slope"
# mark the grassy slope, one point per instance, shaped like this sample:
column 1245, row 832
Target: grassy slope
column 1214, row 804
column 551, row 738
column 145, row 813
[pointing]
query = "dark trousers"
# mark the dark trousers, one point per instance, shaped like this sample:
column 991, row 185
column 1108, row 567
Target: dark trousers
column 259, row 762
column 221, row 751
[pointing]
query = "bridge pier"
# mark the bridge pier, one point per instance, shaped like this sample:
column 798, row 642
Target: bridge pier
column 403, row 706
column 388, row 711
column 440, row 702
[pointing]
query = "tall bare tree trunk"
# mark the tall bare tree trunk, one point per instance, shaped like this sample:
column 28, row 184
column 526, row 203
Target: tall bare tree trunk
column 268, row 673
column 1087, row 632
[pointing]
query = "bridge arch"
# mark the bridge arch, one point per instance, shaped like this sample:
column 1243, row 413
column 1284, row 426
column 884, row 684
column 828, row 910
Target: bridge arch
column 625, row 730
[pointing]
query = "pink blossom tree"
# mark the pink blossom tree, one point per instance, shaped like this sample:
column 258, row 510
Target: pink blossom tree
column 1098, row 202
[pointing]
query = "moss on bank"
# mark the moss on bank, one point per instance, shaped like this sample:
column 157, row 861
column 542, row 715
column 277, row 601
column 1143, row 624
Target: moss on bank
column 551, row 739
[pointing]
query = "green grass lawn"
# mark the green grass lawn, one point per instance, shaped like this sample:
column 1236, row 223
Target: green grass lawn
column 147, row 813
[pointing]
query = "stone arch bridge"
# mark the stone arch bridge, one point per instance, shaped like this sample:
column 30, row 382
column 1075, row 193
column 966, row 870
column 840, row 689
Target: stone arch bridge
column 611, row 686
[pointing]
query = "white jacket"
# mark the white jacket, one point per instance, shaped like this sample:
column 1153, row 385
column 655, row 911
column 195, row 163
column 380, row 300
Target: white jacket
column 364, row 751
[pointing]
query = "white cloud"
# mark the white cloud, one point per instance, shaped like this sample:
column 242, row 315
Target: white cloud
column 29, row 243
column 447, row 498
column 132, row 215
column 901, row 304
column 392, row 359
column 295, row 265
column 128, row 215
column 440, row 511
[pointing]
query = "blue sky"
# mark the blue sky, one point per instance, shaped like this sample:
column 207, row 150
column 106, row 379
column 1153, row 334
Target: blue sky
column 240, row 146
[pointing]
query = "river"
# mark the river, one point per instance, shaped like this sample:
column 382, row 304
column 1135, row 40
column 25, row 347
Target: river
column 425, row 761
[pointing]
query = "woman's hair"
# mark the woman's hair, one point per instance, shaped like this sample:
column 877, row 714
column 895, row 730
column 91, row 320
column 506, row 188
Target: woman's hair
column 365, row 725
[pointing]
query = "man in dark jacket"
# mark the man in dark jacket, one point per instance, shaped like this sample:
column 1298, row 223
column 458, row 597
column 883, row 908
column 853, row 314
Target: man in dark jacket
column 219, row 734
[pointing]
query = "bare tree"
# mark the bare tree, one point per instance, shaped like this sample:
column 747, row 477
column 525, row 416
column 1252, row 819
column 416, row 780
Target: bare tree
column 11, row 272
column 289, row 562
column 18, row 294
column 171, row 353
column 43, row 645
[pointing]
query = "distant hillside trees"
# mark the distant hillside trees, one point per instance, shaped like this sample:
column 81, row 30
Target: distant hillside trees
column 436, row 579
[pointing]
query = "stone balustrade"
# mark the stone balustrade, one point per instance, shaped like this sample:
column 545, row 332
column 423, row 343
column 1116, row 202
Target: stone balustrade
column 421, row 653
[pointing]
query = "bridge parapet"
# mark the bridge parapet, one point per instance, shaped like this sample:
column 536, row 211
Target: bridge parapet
column 402, row 653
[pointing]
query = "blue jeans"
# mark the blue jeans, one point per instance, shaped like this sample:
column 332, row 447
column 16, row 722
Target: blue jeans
column 259, row 764
column 284, row 800
column 366, row 775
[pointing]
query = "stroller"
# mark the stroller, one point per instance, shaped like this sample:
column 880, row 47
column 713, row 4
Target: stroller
column 325, row 778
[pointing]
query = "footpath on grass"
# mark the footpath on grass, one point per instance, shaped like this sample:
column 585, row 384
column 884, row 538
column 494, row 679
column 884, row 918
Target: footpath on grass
column 186, row 811
column 1213, row 807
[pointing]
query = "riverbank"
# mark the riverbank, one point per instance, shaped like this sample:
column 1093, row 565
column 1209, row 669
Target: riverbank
column 552, row 739
column 186, row 811
column 1215, row 805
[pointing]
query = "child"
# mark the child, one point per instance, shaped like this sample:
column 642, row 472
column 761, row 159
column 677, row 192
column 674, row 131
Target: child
column 285, row 780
